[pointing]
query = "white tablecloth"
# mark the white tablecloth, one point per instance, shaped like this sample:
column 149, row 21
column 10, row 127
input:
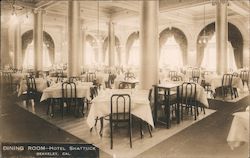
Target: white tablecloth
column 140, row 105
column 239, row 131
column 216, row 81
column 41, row 84
column 18, row 77
column 55, row 91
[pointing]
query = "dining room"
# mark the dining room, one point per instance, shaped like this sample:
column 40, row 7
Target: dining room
column 138, row 78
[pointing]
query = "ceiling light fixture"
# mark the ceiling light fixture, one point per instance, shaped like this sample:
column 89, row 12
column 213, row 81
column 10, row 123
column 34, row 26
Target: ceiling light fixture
column 204, row 38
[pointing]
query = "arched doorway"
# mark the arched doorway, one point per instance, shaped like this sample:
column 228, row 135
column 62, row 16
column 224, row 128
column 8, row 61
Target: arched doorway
column 206, row 52
column 28, row 50
column 173, row 48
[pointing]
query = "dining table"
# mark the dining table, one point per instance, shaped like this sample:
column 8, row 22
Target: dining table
column 216, row 81
column 239, row 130
column 171, row 87
column 55, row 91
column 41, row 84
column 140, row 105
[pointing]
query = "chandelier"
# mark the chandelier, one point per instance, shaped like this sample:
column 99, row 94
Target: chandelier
column 14, row 7
column 204, row 38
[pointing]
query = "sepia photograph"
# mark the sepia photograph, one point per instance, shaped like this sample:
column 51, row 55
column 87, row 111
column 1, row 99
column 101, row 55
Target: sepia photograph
column 124, row 79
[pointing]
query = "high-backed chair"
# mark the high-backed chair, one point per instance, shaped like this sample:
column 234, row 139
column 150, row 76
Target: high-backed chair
column 172, row 74
column 227, row 85
column 188, row 99
column 120, row 112
column 176, row 78
column 244, row 75
column 69, row 98
column 31, row 88
column 195, row 75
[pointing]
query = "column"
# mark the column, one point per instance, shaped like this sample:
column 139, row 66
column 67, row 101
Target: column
column 149, row 43
column 18, row 47
column 73, row 38
column 38, row 40
column 221, row 29
column 82, row 47
column 111, row 41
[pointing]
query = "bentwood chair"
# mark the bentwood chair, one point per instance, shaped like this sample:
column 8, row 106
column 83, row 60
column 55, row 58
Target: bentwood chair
column 227, row 85
column 244, row 75
column 188, row 99
column 70, row 100
column 32, row 92
column 172, row 74
column 120, row 112
column 176, row 78
column 195, row 75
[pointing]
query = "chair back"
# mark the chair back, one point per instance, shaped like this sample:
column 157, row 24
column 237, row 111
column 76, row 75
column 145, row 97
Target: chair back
column 244, row 75
column 176, row 78
column 172, row 74
column 75, row 79
column 235, row 74
column 129, row 75
column 188, row 93
column 120, row 107
column 91, row 77
column 195, row 74
column 227, row 80
column 31, row 84
column 69, row 95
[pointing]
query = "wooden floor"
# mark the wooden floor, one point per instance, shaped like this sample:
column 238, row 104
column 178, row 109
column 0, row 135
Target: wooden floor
column 206, row 138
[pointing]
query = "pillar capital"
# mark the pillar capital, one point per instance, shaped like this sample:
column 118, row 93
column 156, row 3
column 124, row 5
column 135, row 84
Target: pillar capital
column 216, row 2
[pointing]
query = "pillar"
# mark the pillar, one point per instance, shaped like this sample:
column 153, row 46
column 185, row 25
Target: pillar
column 73, row 38
column 221, row 29
column 149, row 43
column 18, row 47
column 38, row 40
column 111, row 41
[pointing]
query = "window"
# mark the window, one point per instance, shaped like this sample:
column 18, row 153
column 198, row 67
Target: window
column 29, row 58
column 171, row 54
column 209, row 59
column 134, row 54
column 90, row 54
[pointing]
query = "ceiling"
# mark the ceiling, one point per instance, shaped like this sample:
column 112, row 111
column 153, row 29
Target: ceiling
column 126, row 13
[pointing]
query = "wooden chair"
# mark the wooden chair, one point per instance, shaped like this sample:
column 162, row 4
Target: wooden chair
column 172, row 74
column 195, row 75
column 120, row 109
column 244, row 75
column 227, row 85
column 69, row 98
column 31, row 89
column 176, row 78
column 188, row 99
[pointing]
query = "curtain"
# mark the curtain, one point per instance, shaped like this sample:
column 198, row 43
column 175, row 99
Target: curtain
column 134, row 36
column 180, row 39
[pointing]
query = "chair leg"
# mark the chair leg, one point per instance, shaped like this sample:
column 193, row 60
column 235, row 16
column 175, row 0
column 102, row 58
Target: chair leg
column 141, row 132
column 130, row 133
column 149, row 130
column 111, row 134
column 101, row 129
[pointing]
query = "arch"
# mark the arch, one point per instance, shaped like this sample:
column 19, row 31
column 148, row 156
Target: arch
column 180, row 38
column 117, row 46
column 93, row 43
column 27, row 38
column 132, row 37
column 234, row 36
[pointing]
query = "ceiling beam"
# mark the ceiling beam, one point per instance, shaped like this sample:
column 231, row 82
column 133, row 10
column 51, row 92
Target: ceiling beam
column 165, row 6
column 46, row 4
column 127, row 5
column 240, row 7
